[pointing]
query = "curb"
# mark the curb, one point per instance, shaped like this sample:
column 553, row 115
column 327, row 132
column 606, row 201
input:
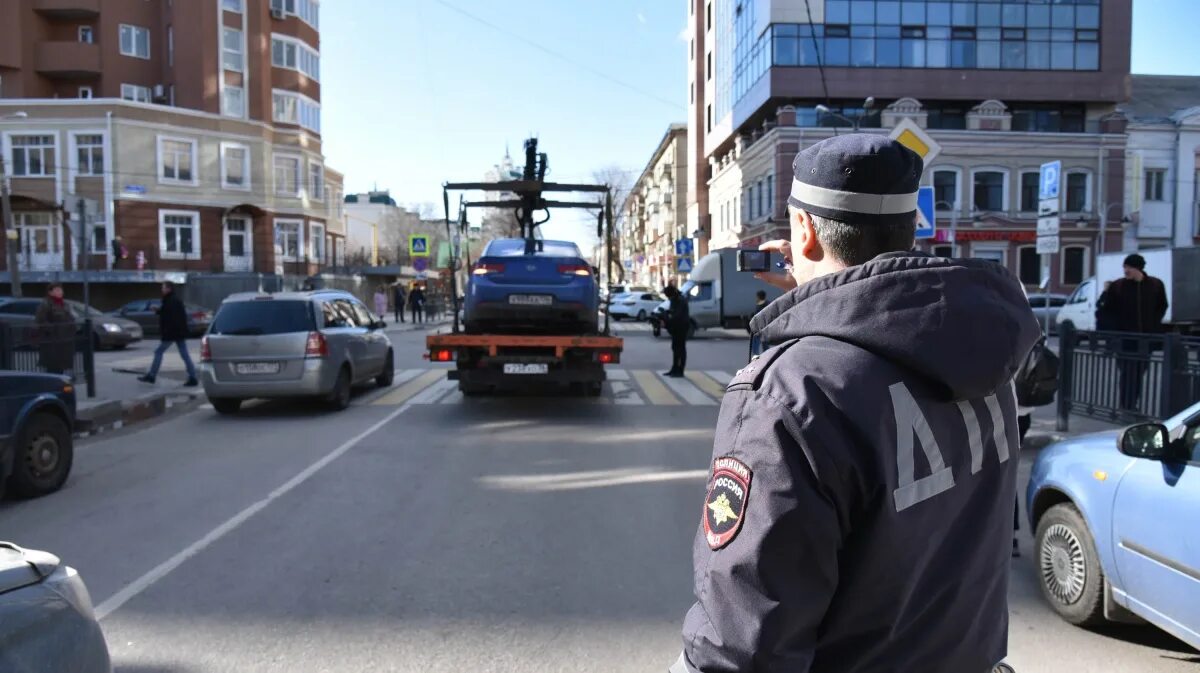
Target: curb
column 117, row 414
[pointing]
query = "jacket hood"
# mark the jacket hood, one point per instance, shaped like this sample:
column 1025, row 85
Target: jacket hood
column 962, row 324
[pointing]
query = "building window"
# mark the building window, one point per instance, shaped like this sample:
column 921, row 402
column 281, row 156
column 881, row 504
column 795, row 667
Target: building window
column 1077, row 192
column 176, row 160
column 1074, row 264
column 233, row 101
column 307, row 10
column 287, row 175
column 170, row 46
column 945, row 190
column 989, row 191
column 86, row 35
column 1156, row 180
column 950, row 117
column 136, row 93
column 1049, row 118
column 288, row 52
column 771, row 196
column 232, row 5
column 85, row 92
column 32, row 156
column 89, row 151
column 1030, row 186
column 233, row 54
column 235, row 166
column 1029, row 265
column 316, row 181
column 289, row 241
column 292, row 108
column 317, row 237
column 135, row 41
column 178, row 234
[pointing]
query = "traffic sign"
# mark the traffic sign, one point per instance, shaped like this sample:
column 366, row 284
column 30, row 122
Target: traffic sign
column 629, row 264
column 1048, row 226
column 683, row 264
column 1047, row 207
column 915, row 138
column 683, row 247
column 418, row 246
column 1048, row 183
column 420, row 264
column 926, row 223
column 1047, row 245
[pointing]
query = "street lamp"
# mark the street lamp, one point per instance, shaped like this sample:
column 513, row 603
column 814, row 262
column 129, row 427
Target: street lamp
column 11, row 235
column 868, row 110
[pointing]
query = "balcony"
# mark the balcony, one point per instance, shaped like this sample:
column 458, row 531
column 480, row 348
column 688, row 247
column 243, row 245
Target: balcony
column 67, row 9
column 68, row 60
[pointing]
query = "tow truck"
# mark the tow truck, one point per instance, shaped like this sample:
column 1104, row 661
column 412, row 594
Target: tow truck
column 487, row 362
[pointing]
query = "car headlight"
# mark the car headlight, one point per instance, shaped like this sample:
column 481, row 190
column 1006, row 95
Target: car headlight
column 112, row 328
column 66, row 582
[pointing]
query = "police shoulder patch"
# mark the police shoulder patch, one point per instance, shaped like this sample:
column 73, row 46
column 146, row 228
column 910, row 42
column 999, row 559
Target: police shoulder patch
column 725, row 504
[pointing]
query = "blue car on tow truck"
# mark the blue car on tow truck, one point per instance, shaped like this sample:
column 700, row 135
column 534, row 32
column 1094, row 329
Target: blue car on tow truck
column 37, row 419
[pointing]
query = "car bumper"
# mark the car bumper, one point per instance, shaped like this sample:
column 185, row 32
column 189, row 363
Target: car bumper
column 113, row 339
column 318, row 378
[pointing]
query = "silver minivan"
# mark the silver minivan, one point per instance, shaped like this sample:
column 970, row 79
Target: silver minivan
column 292, row 344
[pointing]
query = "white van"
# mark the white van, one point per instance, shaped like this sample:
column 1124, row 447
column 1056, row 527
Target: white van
column 1080, row 309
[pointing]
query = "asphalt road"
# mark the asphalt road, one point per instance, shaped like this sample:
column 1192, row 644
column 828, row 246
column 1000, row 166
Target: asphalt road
column 421, row 531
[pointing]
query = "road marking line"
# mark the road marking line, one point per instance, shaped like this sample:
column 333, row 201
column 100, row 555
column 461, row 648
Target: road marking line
column 136, row 587
column 618, row 374
column 401, row 376
column 455, row 397
column 433, row 393
column 623, row 394
column 707, row 384
column 654, row 389
column 723, row 378
column 404, row 392
column 690, row 393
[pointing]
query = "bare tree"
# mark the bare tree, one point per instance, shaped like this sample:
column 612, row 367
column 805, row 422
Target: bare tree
column 620, row 182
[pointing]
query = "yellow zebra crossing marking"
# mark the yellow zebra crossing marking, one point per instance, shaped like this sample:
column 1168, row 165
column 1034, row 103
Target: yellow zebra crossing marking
column 706, row 383
column 654, row 388
column 403, row 393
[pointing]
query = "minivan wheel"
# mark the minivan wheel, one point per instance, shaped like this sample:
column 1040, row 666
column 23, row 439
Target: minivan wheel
column 388, row 374
column 339, row 397
column 225, row 405
column 43, row 457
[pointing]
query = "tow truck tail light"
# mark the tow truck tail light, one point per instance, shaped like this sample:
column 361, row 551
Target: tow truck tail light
column 608, row 357
column 205, row 350
column 442, row 355
column 574, row 269
column 482, row 269
column 316, row 346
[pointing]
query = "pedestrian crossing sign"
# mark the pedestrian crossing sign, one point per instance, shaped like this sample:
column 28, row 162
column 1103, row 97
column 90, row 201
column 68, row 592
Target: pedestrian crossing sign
column 683, row 264
column 926, row 223
column 418, row 246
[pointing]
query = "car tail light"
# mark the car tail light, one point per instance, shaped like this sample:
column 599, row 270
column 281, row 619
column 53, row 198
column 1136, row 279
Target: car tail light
column 442, row 355
column 482, row 269
column 575, row 269
column 316, row 347
column 608, row 357
column 205, row 350
column 199, row 315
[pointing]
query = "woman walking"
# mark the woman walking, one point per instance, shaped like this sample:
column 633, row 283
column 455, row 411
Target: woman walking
column 381, row 303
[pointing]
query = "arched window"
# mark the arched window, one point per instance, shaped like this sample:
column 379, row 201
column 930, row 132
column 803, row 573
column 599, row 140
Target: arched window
column 1030, row 184
column 1029, row 264
column 989, row 190
column 1078, row 188
column 946, row 188
column 1075, row 264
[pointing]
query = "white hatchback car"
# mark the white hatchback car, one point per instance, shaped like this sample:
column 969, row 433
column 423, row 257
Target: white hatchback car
column 637, row 305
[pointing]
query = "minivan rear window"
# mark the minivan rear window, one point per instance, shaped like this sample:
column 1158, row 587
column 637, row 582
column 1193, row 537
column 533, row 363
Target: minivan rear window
column 267, row 316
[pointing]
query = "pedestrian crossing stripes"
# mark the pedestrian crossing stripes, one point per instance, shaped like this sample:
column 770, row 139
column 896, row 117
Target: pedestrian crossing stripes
column 624, row 387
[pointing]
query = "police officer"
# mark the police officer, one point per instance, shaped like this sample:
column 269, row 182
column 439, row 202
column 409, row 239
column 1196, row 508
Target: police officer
column 858, row 512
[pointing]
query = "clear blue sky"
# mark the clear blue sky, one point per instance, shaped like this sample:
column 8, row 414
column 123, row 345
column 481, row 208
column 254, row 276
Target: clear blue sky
column 416, row 93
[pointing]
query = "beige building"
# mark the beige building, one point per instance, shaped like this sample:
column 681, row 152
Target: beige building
column 655, row 214
column 199, row 148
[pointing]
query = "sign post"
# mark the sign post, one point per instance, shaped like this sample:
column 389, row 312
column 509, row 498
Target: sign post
column 1049, row 200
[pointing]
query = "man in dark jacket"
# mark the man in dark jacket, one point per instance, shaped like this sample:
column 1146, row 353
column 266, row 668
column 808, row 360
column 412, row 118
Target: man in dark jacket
column 416, row 302
column 1135, row 303
column 56, row 332
column 398, row 299
column 173, row 325
column 679, row 322
column 858, row 513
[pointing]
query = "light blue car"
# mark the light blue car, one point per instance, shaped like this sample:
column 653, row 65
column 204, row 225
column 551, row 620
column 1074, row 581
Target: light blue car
column 1117, row 521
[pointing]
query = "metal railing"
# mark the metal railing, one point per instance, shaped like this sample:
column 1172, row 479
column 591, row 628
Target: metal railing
column 56, row 349
column 1125, row 377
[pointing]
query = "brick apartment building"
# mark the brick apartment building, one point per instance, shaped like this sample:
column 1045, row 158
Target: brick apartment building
column 1002, row 87
column 190, row 129
column 655, row 213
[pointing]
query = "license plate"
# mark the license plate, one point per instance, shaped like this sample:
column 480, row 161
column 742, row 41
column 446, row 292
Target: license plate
column 531, row 299
column 256, row 368
column 526, row 369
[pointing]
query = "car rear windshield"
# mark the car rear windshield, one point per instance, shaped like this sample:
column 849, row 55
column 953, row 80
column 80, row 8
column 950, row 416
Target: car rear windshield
column 516, row 248
column 263, row 317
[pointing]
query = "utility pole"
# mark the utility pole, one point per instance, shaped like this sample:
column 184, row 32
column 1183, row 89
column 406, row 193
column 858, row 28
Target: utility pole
column 12, row 242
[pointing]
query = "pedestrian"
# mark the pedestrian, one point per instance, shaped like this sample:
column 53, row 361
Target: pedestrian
column 381, row 303
column 416, row 303
column 1136, row 303
column 826, row 544
column 678, row 324
column 56, row 332
column 398, row 301
column 173, row 328
column 760, row 302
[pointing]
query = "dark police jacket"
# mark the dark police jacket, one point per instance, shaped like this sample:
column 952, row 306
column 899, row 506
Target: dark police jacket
column 858, row 516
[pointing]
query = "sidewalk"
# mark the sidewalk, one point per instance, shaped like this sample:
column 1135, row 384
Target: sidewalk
column 1043, row 432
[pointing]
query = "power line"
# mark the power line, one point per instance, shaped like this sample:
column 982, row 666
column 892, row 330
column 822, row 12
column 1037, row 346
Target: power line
column 567, row 59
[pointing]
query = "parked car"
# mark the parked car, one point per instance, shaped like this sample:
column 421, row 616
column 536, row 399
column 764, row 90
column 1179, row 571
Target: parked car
column 550, row 290
column 1046, row 306
column 293, row 344
column 636, row 305
column 107, row 331
column 46, row 618
column 145, row 313
column 37, row 420
column 613, row 290
column 1116, row 516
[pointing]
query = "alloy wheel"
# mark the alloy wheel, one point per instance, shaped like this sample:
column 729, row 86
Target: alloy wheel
column 1062, row 563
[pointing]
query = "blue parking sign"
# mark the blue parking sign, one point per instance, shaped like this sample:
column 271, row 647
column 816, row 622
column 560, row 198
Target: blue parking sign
column 1048, row 184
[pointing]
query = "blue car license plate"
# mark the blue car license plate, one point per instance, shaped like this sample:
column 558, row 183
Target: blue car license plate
column 531, row 299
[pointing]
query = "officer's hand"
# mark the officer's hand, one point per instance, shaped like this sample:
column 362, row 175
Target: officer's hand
column 783, row 281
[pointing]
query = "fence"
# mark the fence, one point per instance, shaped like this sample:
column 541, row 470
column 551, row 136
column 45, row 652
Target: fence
column 1123, row 377
column 57, row 349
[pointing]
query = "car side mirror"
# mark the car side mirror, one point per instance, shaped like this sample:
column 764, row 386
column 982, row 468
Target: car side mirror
column 378, row 324
column 1146, row 440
